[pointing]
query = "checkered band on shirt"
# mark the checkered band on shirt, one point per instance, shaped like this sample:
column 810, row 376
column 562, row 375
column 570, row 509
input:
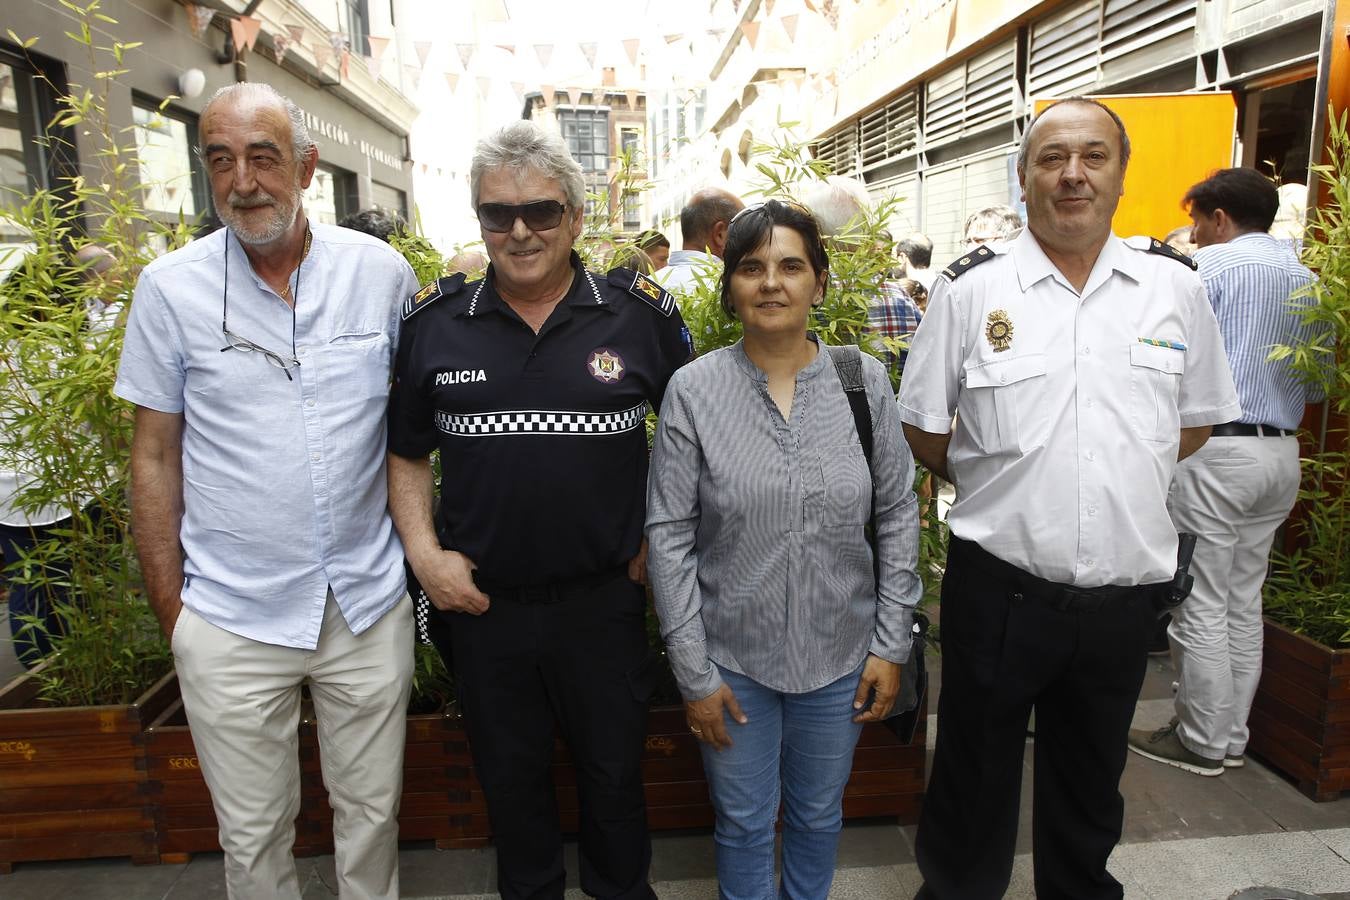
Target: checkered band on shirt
column 541, row 422
column 422, row 615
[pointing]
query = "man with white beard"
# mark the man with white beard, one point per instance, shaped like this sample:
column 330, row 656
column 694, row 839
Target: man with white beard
column 259, row 358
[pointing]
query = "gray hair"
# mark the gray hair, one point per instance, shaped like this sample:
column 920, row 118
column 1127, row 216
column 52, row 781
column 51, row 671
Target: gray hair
column 301, row 142
column 837, row 203
column 525, row 145
column 1004, row 220
column 1025, row 147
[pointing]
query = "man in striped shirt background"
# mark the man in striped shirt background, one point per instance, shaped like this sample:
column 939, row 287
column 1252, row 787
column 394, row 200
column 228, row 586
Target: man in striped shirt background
column 1236, row 490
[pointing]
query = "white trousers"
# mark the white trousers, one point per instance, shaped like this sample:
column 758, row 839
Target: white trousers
column 1234, row 493
column 242, row 699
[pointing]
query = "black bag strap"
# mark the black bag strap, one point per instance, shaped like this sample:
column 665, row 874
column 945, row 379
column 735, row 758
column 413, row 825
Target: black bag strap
column 848, row 363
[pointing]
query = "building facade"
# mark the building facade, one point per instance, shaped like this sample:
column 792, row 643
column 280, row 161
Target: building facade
column 925, row 100
column 359, row 118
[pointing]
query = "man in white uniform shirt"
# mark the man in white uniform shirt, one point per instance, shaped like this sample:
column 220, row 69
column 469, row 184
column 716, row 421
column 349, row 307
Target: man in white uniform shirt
column 703, row 228
column 1079, row 367
column 259, row 360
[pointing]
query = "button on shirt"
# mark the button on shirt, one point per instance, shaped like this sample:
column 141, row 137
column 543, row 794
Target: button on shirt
column 757, row 554
column 1068, row 423
column 284, row 491
column 1250, row 281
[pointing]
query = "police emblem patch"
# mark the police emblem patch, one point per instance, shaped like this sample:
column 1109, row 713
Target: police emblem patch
column 605, row 366
column 998, row 330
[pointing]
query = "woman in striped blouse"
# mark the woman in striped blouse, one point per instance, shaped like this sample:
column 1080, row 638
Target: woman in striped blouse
column 783, row 640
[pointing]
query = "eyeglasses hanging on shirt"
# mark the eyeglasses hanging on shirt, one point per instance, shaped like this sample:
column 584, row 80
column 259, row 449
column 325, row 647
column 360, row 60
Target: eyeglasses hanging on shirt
column 238, row 342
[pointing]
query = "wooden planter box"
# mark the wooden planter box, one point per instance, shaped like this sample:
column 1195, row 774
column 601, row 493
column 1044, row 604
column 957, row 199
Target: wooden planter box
column 437, row 803
column 73, row 781
column 443, row 802
column 1300, row 721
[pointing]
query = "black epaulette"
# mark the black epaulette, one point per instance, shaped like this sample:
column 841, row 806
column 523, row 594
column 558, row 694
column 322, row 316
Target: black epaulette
column 1153, row 245
column 968, row 261
column 430, row 293
column 644, row 288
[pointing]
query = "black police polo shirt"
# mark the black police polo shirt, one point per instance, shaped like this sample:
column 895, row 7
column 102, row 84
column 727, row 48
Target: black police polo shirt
column 542, row 437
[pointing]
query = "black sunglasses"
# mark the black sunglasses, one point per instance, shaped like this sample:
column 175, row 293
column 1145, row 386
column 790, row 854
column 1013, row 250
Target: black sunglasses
column 538, row 215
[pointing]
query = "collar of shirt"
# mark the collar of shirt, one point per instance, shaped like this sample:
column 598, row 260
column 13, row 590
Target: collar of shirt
column 1033, row 265
column 583, row 293
column 809, row 371
column 691, row 258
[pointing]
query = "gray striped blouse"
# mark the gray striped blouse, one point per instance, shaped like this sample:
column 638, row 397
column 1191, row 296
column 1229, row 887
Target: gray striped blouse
column 757, row 554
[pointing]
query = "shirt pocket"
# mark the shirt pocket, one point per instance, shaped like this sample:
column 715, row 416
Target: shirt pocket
column 357, row 366
column 1155, row 384
column 847, row 484
column 1005, row 410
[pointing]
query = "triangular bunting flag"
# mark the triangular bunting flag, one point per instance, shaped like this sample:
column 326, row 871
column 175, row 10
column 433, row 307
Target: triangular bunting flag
column 672, row 38
column 630, row 46
column 424, row 168
column 751, row 32
column 372, row 66
column 199, row 19
column 484, row 86
column 588, row 50
column 736, row 5
column 377, row 46
column 465, row 54
column 550, row 93
column 345, row 64
column 574, row 96
column 811, row 6
column 280, row 44
column 632, row 98
column 323, row 54
column 519, row 88
column 297, row 32
column 252, row 28
column 413, row 75
column 423, row 49
column 544, row 52
column 790, row 27
column 452, row 80
column 768, row 7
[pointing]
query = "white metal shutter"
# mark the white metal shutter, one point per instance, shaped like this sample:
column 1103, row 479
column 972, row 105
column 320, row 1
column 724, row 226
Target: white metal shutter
column 1062, row 55
column 971, row 96
column 891, row 132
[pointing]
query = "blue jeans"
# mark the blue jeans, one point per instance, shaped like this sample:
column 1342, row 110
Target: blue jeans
column 799, row 743
column 32, row 644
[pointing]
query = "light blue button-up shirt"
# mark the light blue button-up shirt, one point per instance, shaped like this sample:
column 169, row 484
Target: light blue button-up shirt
column 284, row 491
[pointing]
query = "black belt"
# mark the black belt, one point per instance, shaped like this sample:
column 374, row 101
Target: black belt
column 1059, row 597
column 551, row 592
column 1244, row 429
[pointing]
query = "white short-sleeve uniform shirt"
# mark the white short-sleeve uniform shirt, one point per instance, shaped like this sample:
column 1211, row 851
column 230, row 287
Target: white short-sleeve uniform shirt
column 1068, row 407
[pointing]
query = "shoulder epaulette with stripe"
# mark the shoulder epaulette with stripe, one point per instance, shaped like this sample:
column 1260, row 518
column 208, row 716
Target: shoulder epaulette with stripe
column 968, row 261
column 433, row 291
column 1153, row 245
column 644, row 288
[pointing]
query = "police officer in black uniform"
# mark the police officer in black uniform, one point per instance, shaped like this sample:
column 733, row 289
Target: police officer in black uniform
column 534, row 384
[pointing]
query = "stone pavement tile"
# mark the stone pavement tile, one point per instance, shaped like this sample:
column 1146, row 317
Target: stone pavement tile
column 1208, row 868
column 202, row 878
column 88, row 880
column 1277, row 796
column 872, row 844
column 874, row 883
column 682, row 857
column 427, row 872
column 1164, row 803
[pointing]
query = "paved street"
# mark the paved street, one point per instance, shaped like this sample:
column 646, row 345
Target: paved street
column 1186, row 838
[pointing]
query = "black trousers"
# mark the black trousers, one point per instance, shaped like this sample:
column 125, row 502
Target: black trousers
column 1011, row 643
column 577, row 657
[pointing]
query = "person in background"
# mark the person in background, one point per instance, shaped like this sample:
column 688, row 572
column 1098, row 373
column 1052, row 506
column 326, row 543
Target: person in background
column 657, row 247
column 782, row 639
column 992, row 224
column 376, row 222
column 916, row 252
column 703, row 225
column 1236, row 491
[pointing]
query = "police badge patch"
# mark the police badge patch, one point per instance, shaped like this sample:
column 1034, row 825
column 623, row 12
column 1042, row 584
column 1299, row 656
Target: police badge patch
column 605, row 366
column 998, row 330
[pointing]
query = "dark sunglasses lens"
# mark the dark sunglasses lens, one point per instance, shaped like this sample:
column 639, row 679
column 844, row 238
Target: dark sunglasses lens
column 540, row 215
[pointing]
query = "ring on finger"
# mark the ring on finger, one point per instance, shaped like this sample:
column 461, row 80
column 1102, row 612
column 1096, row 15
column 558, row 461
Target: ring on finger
column 695, row 730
